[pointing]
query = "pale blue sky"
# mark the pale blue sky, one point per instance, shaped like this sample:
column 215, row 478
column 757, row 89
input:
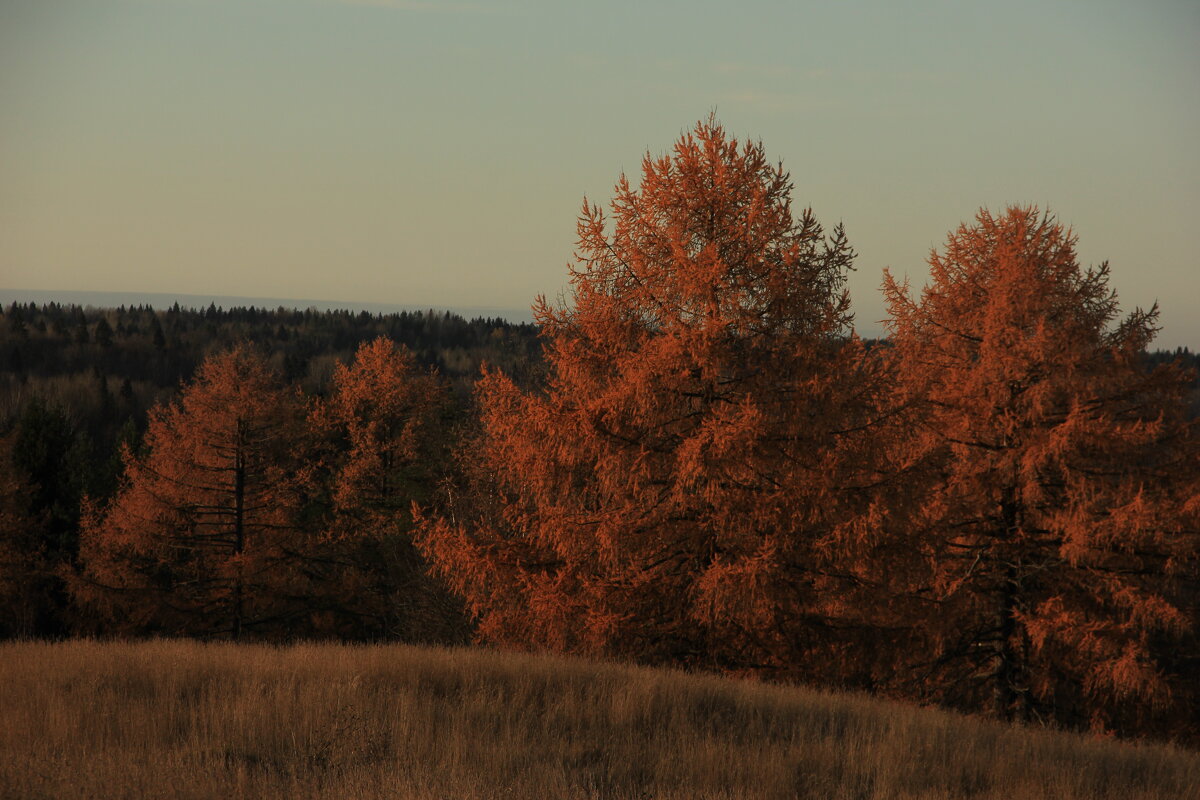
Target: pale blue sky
column 430, row 153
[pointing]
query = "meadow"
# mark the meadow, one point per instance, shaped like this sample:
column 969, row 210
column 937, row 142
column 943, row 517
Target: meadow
column 184, row 719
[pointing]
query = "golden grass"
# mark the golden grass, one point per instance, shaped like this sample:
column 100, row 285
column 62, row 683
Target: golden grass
column 176, row 719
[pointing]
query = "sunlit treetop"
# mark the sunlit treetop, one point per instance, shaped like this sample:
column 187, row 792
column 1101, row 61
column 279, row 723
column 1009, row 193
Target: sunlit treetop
column 707, row 241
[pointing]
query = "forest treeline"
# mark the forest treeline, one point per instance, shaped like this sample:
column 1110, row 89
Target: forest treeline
column 692, row 460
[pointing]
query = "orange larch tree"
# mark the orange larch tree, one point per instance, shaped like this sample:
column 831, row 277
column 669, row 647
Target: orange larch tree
column 377, row 444
column 685, row 486
column 200, row 539
column 1049, row 526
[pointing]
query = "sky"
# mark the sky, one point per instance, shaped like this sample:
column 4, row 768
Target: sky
column 437, row 153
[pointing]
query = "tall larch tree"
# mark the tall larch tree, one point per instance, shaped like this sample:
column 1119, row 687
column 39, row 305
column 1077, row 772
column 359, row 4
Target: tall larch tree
column 377, row 444
column 1048, row 469
column 197, row 539
column 683, row 488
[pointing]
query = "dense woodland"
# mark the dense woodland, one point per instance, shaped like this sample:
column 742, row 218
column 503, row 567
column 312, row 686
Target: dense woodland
column 80, row 385
column 692, row 461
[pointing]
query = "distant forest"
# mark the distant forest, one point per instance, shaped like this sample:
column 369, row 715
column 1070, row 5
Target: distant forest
column 91, row 375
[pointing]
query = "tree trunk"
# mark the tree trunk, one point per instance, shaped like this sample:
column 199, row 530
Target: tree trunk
column 1004, row 671
column 1008, row 701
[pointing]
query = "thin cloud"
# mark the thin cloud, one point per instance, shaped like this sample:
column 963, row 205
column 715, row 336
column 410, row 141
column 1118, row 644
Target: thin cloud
column 757, row 70
column 419, row 7
column 773, row 102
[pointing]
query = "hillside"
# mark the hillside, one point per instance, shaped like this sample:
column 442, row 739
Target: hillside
column 178, row 719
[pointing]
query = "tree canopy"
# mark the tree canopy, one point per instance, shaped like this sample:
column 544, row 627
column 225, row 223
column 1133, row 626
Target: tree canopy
column 197, row 539
column 679, row 484
column 1049, row 506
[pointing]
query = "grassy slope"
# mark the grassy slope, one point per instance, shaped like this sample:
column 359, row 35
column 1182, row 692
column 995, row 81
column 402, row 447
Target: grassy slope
column 190, row 720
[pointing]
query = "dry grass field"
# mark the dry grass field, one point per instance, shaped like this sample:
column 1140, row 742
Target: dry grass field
column 173, row 719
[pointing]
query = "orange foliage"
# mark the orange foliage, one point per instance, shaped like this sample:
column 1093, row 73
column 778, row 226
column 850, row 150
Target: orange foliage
column 685, row 486
column 1048, row 528
column 384, row 412
column 375, row 446
column 200, row 538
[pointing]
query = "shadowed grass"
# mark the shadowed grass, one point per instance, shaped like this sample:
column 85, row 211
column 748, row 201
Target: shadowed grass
column 176, row 719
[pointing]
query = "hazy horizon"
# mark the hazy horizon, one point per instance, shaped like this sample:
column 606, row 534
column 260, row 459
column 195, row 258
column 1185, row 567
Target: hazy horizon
column 164, row 300
column 388, row 151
